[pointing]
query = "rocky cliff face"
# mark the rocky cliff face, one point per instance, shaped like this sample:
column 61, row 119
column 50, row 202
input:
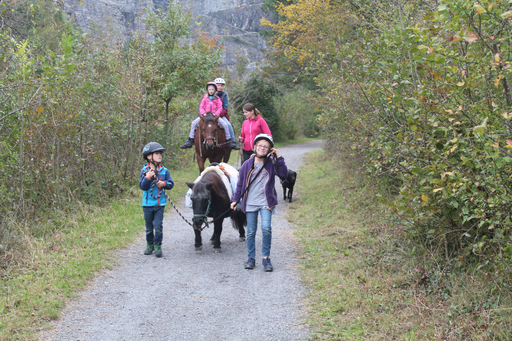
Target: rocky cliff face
column 236, row 22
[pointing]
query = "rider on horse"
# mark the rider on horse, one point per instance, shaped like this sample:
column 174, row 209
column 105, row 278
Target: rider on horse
column 210, row 103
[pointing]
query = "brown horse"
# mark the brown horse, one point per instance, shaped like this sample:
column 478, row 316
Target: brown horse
column 210, row 141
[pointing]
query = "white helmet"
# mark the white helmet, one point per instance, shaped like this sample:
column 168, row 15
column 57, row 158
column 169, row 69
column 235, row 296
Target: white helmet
column 220, row 81
column 266, row 137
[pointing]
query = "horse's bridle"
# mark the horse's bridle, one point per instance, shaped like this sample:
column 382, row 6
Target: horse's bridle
column 204, row 215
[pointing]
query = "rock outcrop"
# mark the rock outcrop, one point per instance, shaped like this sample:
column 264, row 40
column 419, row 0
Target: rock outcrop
column 235, row 22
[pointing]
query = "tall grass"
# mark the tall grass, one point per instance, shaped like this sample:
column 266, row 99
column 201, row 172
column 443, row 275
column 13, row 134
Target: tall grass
column 368, row 281
column 53, row 266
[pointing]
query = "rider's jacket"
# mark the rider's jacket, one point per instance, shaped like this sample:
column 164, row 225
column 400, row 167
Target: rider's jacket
column 152, row 195
column 210, row 103
column 225, row 104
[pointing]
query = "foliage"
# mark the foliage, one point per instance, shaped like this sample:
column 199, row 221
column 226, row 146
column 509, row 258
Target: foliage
column 422, row 90
column 75, row 112
column 298, row 110
column 262, row 93
column 182, row 66
column 367, row 281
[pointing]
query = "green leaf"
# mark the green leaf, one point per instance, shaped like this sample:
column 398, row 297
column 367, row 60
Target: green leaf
column 506, row 14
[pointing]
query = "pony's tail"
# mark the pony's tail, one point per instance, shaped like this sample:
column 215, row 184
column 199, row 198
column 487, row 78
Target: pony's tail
column 238, row 219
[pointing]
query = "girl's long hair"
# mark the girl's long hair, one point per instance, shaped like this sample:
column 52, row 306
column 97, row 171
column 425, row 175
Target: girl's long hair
column 251, row 107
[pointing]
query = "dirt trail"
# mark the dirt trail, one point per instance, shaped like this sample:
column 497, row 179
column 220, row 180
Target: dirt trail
column 195, row 296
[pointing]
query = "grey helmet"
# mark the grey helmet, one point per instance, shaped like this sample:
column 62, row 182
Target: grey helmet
column 150, row 148
column 266, row 137
column 220, row 81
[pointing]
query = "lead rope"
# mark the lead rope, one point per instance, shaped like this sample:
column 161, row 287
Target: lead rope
column 206, row 223
column 246, row 189
column 153, row 183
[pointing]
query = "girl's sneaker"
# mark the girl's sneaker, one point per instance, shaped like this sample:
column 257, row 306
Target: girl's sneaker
column 267, row 266
column 250, row 264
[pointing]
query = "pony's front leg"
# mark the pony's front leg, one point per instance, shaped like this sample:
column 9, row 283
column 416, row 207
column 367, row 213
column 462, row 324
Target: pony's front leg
column 199, row 242
column 217, row 230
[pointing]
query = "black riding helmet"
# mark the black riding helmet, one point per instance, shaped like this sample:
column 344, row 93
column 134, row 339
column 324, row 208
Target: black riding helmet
column 150, row 148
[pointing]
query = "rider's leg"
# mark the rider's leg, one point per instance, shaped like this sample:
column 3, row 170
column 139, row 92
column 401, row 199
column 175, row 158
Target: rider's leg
column 232, row 143
column 190, row 141
column 222, row 121
column 230, row 126
column 193, row 128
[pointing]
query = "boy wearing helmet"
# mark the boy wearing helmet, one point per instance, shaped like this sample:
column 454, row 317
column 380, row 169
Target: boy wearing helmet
column 255, row 186
column 210, row 103
column 154, row 179
column 225, row 105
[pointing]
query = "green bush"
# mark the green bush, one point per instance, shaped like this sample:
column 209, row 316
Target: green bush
column 262, row 94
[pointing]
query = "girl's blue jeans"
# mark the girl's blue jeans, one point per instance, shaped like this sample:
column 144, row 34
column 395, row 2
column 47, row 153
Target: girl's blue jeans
column 230, row 126
column 266, row 230
column 154, row 217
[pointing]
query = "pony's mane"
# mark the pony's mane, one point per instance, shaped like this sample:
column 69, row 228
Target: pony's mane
column 208, row 175
column 209, row 117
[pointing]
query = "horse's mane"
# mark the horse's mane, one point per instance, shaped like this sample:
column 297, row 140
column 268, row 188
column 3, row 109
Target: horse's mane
column 209, row 117
column 214, row 177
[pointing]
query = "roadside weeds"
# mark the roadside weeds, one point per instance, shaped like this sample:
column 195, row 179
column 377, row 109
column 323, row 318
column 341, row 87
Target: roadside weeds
column 368, row 281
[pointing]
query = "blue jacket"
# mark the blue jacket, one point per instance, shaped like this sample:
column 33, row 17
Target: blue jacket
column 224, row 99
column 145, row 185
column 279, row 168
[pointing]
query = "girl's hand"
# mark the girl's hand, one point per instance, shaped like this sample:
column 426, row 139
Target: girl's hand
column 273, row 151
column 160, row 184
column 233, row 205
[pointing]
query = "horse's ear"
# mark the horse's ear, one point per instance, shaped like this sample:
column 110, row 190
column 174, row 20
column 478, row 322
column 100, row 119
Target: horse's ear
column 202, row 117
column 190, row 185
column 216, row 118
column 209, row 186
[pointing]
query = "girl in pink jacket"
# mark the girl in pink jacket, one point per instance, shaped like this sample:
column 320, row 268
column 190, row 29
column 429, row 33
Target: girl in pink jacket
column 252, row 126
column 210, row 103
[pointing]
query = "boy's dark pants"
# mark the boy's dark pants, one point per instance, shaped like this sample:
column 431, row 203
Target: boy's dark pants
column 154, row 217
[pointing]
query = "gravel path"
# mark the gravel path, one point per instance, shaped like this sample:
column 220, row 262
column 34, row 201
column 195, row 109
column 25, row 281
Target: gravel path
column 195, row 296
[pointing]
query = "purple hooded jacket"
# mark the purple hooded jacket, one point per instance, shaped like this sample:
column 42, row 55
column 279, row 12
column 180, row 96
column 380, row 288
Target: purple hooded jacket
column 279, row 168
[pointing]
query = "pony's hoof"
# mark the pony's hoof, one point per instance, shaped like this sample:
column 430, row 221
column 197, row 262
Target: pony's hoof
column 199, row 249
column 216, row 250
column 242, row 239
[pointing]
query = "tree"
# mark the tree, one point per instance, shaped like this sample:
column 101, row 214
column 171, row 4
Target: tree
column 184, row 64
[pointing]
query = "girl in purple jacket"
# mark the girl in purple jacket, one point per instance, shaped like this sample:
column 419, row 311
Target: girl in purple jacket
column 258, row 173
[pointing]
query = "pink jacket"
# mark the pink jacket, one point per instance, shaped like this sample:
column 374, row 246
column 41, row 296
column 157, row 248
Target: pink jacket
column 207, row 105
column 251, row 128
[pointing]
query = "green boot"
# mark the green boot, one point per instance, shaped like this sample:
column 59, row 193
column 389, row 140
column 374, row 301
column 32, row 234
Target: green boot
column 149, row 249
column 158, row 250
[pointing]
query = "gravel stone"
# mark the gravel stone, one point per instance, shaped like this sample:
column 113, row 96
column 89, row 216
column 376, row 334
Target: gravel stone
column 196, row 296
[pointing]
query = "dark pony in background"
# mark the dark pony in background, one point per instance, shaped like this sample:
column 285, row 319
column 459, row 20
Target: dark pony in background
column 210, row 141
column 210, row 198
